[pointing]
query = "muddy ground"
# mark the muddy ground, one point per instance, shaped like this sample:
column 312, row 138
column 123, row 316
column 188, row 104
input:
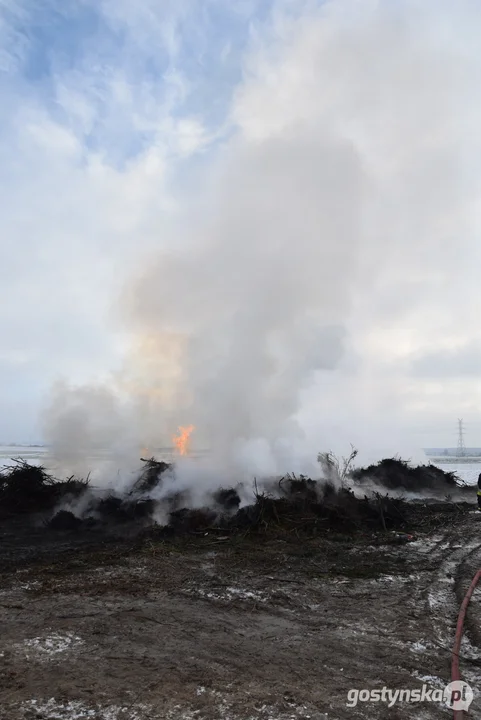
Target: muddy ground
column 123, row 626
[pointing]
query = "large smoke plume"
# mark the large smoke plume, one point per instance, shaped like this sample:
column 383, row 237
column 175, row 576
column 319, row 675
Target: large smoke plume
column 255, row 299
column 330, row 217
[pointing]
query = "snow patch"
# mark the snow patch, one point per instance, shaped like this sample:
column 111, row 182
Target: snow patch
column 224, row 709
column 229, row 593
column 432, row 680
column 418, row 647
column 52, row 644
column 77, row 710
column 397, row 578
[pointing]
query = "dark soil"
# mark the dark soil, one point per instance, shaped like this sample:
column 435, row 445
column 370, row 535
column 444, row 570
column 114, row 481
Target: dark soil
column 255, row 626
column 271, row 612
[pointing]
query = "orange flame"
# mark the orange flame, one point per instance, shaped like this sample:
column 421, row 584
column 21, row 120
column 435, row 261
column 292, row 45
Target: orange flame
column 181, row 441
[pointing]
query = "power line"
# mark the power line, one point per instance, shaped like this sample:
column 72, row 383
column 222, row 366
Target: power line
column 461, row 449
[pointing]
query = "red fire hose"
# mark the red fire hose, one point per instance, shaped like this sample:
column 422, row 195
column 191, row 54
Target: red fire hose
column 459, row 714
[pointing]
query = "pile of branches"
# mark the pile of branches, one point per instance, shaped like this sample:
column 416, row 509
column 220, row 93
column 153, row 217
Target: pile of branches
column 28, row 488
column 397, row 474
column 150, row 475
column 136, row 504
column 298, row 506
column 305, row 508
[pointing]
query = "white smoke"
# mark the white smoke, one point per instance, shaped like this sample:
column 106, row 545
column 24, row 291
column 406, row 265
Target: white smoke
column 330, row 220
column 256, row 299
column 89, row 432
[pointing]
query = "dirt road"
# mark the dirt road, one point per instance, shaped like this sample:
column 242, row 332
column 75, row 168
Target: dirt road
column 235, row 629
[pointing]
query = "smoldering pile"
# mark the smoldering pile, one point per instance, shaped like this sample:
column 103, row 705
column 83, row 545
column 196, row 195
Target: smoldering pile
column 395, row 474
column 291, row 506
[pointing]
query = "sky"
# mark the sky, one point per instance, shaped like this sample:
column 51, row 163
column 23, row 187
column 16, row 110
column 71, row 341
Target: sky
column 276, row 198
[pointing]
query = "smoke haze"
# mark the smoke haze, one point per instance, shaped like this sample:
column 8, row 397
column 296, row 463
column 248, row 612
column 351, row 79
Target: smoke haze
column 325, row 227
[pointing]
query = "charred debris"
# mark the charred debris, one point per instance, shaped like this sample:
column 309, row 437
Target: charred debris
column 294, row 507
column 27, row 489
column 397, row 474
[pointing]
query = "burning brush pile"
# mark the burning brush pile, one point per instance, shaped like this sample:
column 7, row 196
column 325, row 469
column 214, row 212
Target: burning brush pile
column 292, row 506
